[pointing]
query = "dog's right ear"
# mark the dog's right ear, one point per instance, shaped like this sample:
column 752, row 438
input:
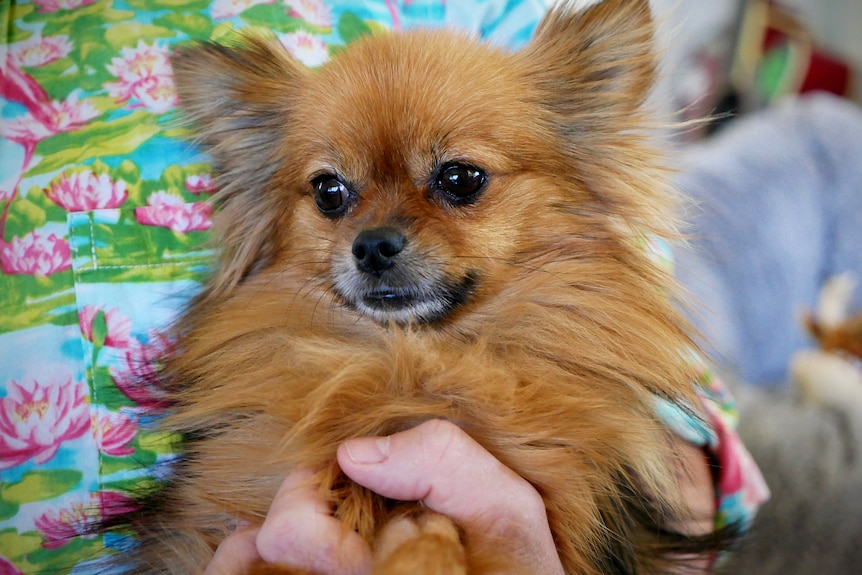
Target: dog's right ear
column 596, row 58
column 236, row 97
column 237, row 100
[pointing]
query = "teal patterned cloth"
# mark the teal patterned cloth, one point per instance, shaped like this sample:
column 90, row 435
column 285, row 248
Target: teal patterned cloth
column 104, row 223
column 103, row 230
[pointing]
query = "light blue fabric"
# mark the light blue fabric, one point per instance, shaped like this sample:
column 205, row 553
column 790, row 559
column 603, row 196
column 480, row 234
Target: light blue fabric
column 777, row 210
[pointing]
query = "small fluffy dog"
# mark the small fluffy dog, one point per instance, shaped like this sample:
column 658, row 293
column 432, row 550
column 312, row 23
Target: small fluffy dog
column 430, row 227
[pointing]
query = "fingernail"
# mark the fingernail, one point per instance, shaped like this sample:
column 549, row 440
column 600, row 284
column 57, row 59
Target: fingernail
column 366, row 450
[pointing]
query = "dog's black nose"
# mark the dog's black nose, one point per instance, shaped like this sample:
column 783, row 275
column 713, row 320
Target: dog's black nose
column 375, row 249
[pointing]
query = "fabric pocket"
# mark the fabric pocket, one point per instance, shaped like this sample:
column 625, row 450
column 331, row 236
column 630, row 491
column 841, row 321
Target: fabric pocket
column 76, row 396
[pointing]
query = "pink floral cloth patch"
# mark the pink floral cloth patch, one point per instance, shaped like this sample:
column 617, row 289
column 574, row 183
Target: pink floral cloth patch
column 104, row 216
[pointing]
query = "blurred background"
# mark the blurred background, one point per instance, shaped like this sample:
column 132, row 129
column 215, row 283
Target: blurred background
column 737, row 56
column 772, row 164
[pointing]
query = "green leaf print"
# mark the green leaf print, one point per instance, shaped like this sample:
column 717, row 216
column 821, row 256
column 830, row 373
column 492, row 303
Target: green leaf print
column 24, row 216
column 272, row 16
column 73, row 551
column 56, row 78
column 351, row 27
column 14, row 34
column 127, row 170
column 81, row 22
column 61, row 78
column 129, row 34
column 138, row 484
column 173, row 5
column 16, row 545
column 41, row 485
column 39, row 207
column 100, row 331
column 105, row 392
column 174, row 179
column 195, row 25
column 147, row 451
column 222, row 30
column 113, row 138
column 158, row 442
column 8, row 509
column 47, row 299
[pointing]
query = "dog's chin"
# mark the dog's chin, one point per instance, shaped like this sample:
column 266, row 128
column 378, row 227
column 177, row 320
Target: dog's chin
column 426, row 305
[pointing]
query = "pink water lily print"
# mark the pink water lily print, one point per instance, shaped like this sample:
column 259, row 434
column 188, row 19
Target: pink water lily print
column 37, row 253
column 315, row 12
column 157, row 93
column 138, row 378
column 197, row 184
column 143, row 74
column 85, row 191
column 230, row 8
column 44, row 119
column 36, row 418
column 79, row 518
column 38, row 51
column 55, row 5
column 308, row 48
column 61, row 526
column 119, row 326
column 7, row 568
column 169, row 211
column 51, row 118
column 114, row 431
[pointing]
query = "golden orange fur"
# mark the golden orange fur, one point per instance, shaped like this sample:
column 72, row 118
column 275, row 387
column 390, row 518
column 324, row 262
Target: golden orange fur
column 556, row 330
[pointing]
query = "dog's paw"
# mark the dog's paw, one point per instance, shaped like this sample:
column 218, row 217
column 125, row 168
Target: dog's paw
column 427, row 544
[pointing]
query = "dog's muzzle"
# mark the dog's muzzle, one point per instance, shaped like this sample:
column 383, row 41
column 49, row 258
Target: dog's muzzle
column 387, row 279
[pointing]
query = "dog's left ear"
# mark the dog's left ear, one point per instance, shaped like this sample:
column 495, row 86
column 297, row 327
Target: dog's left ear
column 591, row 71
column 594, row 61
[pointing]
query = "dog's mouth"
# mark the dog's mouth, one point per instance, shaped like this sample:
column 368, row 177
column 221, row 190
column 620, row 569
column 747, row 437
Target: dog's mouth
column 415, row 304
column 387, row 277
column 389, row 298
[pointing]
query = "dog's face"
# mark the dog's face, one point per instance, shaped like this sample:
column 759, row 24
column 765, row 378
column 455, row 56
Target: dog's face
column 413, row 174
column 414, row 181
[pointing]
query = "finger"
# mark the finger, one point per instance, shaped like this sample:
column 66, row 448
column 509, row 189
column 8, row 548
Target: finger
column 300, row 531
column 439, row 464
column 235, row 554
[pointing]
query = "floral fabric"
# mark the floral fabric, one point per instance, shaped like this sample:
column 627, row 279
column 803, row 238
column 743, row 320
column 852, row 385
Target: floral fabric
column 103, row 226
column 103, row 219
column 740, row 489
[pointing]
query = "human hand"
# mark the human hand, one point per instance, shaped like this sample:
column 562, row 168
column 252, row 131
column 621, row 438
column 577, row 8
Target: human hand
column 436, row 463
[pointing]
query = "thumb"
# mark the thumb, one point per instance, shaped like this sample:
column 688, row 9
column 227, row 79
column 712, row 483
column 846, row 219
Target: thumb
column 439, row 464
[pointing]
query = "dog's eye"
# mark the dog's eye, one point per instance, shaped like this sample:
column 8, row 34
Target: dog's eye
column 331, row 195
column 460, row 183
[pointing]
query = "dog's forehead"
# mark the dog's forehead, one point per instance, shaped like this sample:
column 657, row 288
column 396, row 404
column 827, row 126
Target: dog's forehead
column 431, row 94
